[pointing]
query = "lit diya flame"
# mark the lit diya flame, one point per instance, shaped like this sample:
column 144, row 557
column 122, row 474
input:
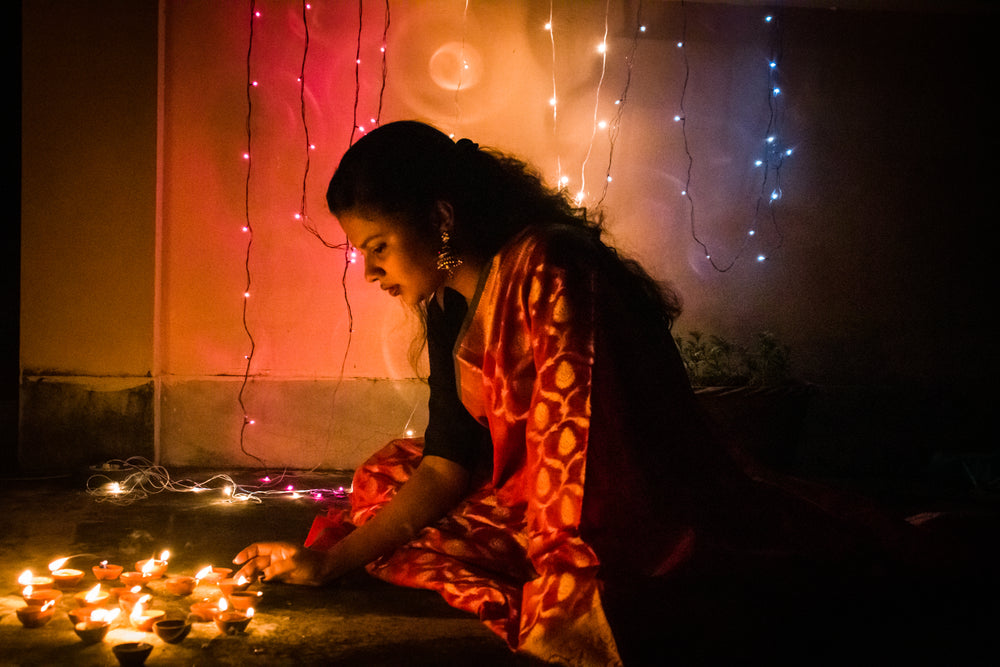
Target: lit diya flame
column 104, row 563
column 27, row 591
column 139, row 609
column 25, row 578
column 203, row 572
column 224, row 606
column 105, row 615
column 147, row 567
column 93, row 593
column 47, row 605
column 242, row 581
column 165, row 555
column 57, row 564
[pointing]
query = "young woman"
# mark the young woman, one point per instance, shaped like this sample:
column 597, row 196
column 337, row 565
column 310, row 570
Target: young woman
column 565, row 484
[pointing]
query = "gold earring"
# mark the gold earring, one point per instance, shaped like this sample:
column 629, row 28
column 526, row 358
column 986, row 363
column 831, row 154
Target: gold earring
column 447, row 260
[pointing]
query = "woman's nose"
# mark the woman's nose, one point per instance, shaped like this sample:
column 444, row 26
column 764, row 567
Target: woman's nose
column 372, row 272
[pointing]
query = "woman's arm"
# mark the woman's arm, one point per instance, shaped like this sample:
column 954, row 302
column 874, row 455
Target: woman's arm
column 435, row 487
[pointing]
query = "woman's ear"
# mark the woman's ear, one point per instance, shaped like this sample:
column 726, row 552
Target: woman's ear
column 444, row 217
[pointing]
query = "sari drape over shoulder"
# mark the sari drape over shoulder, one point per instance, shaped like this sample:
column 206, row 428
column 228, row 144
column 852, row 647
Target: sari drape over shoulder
column 604, row 478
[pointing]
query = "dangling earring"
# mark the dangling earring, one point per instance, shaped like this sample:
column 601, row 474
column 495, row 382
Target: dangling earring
column 447, row 260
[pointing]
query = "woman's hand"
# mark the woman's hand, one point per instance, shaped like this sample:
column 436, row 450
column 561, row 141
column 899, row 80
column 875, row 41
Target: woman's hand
column 282, row 561
column 435, row 488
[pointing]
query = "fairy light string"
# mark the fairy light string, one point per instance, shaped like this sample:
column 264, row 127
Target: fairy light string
column 248, row 229
column 770, row 161
column 561, row 180
column 125, row 481
column 602, row 48
column 614, row 127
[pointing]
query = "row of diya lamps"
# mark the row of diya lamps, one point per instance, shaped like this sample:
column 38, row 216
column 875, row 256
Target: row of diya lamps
column 92, row 618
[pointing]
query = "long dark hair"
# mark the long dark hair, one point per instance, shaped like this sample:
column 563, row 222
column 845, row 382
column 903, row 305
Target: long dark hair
column 403, row 169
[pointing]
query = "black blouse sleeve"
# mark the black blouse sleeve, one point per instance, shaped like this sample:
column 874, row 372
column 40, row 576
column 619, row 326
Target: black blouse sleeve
column 452, row 433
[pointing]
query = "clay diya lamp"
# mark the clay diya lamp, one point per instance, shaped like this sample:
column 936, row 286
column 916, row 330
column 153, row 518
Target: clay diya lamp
column 130, row 579
column 180, row 585
column 243, row 600
column 142, row 618
column 66, row 578
column 204, row 610
column 145, row 620
column 231, row 622
column 35, row 616
column 91, row 632
column 172, row 631
column 128, row 599
column 81, row 614
column 154, row 567
column 36, row 583
column 229, row 585
column 94, row 597
column 38, row 598
column 95, row 628
column 107, row 572
column 116, row 592
column 213, row 575
column 132, row 654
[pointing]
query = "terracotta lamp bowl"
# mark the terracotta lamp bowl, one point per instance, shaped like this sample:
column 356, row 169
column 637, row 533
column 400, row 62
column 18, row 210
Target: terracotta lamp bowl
column 91, row 632
column 107, row 572
column 232, row 622
column 34, row 616
column 172, row 631
column 132, row 654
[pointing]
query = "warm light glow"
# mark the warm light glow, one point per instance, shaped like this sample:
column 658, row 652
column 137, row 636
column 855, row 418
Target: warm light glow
column 165, row 555
column 223, row 604
column 25, row 578
column 203, row 572
column 139, row 608
column 250, row 612
column 147, row 567
column 93, row 593
column 242, row 581
column 106, row 615
column 56, row 564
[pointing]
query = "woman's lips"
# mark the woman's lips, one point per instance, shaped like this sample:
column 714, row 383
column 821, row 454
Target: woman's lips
column 393, row 290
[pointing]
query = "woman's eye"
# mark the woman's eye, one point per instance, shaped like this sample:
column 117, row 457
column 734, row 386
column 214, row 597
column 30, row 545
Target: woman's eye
column 379, row 249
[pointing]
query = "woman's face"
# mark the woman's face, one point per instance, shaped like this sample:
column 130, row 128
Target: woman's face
column 403, row 261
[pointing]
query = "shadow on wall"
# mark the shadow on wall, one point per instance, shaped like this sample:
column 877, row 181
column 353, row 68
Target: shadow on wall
column 67, row 426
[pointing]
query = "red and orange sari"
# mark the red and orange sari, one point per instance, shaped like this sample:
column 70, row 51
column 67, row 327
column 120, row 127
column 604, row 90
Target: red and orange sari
column 600, row 472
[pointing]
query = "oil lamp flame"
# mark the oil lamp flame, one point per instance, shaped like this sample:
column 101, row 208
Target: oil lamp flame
column 203, row 572
column 25, row 578
column 56, row 564
column 93, row 593
column 139, row 608
column 106, row 615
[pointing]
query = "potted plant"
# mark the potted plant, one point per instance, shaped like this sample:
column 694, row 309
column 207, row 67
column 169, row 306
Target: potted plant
column 748, row 393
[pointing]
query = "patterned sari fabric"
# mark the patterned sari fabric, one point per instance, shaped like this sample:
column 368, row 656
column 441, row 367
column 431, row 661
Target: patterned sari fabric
column 602, row 481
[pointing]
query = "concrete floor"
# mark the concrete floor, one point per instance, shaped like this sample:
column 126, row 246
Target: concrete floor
column 360, row 621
